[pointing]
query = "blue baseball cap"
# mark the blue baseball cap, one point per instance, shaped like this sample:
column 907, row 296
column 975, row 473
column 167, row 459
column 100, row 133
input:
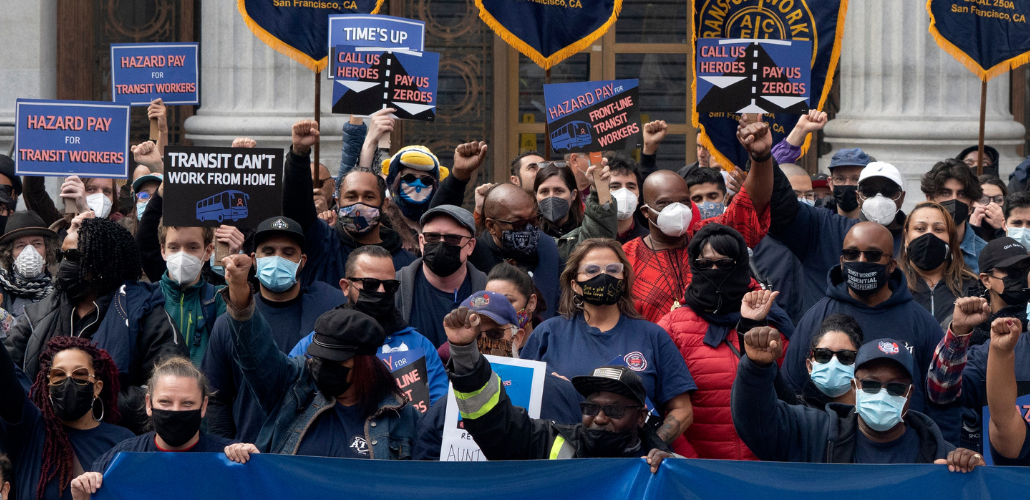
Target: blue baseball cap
column 492, row 305
column 854, row 157
column 895, row 350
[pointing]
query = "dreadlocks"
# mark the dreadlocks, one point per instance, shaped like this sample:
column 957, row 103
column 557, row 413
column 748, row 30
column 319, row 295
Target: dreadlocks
column 57, row 449
column 108, row 254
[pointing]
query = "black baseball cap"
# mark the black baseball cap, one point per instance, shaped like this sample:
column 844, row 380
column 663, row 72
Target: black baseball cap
column 1002, row 253
column 612, row 378
column 279, row 226
column 894, row 350
column 342, row 333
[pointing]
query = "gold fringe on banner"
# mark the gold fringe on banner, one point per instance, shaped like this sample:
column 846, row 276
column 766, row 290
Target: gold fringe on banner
column 981, row 73
column 705, row 141
column 283, row 47
column 534, row 55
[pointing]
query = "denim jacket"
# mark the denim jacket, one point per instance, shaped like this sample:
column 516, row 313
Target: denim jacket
column 286, row 391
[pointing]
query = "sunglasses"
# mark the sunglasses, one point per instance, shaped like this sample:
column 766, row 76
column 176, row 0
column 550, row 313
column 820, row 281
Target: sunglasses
column 611, row 411
column 717, row 263
column 71, row 255
column 591, row 270
column 410, row 178
column 892, row 192
column 454, row 240
column 558, row 164
column 496, row 333
column 851, row 254
column 81, row 376
column 893, row 388
column 521, row 224
column 822, row 355
column 372, row 284
column 143, row 196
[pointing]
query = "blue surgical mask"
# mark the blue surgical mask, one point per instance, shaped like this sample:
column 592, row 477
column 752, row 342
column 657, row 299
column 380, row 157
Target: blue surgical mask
column 1020, row 234
column 216, row 266
column 806, row 201
column 276, row 273
column 711, row 209
column 140, row 207
column 832, row 378
column 880, row 411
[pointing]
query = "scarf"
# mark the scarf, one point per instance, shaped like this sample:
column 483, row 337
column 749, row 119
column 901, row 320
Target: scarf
column 32, row 289
column 717, row 291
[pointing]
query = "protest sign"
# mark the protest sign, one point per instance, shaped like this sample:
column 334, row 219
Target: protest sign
column 409, row 368
column 59, row 138
column 989, row 37
column 753, row 76
column 368, row 80
column 214, row 186
column 593, row 116
column 142, row 72
column 383, row 32
column 523, row 381
column 1022, row 404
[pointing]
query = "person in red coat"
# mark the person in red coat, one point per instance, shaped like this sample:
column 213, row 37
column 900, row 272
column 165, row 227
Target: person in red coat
column 721, row 304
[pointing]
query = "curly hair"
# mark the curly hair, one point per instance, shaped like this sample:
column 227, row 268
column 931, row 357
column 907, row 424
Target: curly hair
column 57, row 449
column 109, row 255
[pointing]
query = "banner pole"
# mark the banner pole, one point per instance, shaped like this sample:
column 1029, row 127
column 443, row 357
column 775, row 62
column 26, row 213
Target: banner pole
column 547, row 136
column 318, row 120
column 983, row 117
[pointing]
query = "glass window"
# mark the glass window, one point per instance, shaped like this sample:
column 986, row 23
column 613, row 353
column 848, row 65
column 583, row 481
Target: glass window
column 661, row 21
column 531, row 83
column 663, row 83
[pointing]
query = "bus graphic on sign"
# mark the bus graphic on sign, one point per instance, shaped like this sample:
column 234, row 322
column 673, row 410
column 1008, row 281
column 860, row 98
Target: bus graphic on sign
column 571, row 135
column 227, row 205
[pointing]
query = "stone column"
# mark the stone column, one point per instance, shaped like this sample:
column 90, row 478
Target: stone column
column 906, row 101
column 249, row 90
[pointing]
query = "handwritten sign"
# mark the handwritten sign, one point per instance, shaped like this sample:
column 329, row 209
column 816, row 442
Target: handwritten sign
column 368, row 80
column 214, row 186
column 382, row 32
column 142, row 72
column 523, row 381
column 593, row 116
column 60, row 138
column 409, row 369
column 753, row 76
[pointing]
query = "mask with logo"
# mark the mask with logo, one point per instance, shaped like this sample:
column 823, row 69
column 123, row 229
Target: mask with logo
column 674, row 220
column 602, row 290
column 832, row 378
column 183, row 268
column 521, row 243
column 554, row 208
column 29, row 263
column 711, row 209
column 626, row 202
column 959, row 211
column 880, row 209
column 413, row 198
column 846, row 197
column 99, row 204
column 70, row 400
column 176, row 427
column 276, row 273
column 864, row 278
column 880, row 411
column 1020, row 234
column 359, row 218
column 927, row 252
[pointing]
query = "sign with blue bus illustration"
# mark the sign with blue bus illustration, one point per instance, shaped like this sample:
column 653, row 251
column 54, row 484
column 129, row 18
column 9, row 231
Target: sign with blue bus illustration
column 592, row 116
column 208, row 187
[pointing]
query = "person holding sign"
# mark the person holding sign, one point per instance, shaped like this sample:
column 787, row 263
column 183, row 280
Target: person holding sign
column 565, row 218
column 96, row 194
column 1008, row 427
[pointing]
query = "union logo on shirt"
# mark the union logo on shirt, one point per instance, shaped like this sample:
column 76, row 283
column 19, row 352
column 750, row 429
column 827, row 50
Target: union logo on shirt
column 359, row 445
column 888, row 347
column 635, row 361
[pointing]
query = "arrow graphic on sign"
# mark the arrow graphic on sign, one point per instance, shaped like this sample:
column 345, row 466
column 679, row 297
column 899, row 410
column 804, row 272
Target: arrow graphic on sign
column 356, row 85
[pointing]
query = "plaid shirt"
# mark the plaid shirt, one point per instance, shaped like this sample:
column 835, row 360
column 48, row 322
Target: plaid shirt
column 944, row 380
column 661, row 277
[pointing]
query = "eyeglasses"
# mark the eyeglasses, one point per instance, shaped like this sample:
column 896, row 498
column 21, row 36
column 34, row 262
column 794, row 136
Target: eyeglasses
column 998, row 200
column 611, row 411
column 869, row 191
column 893, row 388
column 520, row 224
column 372, row 284
column 454, row 240
column 824, row 355
column 841, row 180
column 71, row 255
column 497, row 333
column 851, row 254
column 717, row 263
column 81, row 376
column 545, row 164
column 591, row 270
column 143, row 196
column 410, row 178
column 808, row 195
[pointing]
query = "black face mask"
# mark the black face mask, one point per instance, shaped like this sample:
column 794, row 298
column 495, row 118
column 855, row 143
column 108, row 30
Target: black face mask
column 69, row 281
column 442, row 259
column 927, row 252
column 864, row 278
column 1013, row 293
column 602, row 290
column 599, row 443
column 330, row 377
column 554, row 208
column 176, row 427
column 70, row 400
column 375, row 304
column 959, row 211
column 846, row 197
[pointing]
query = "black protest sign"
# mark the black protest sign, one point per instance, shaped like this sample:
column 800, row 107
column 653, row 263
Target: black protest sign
column 409, row 369
column 214, row 186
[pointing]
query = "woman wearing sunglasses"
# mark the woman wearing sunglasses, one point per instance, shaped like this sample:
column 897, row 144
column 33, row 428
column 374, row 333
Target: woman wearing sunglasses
column 831, row 362
column 66, row 423
column 719, row 307
column 932, row 260
column 564, row 217
column 599, row 326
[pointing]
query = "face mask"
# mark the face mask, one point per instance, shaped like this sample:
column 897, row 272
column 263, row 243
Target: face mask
column 720, row 291
column 881, row 410
column 522, row 242
column 523, row 317
column 846, row 197
column 99, row 204
column 959, row 211
column 927, row 252
column 359, row 218
column 602, row 290
column 1020, row 234
column 1013, row 292
column 711, row 209
column 880, row 209
column 494, row 347
column 674, row 220
column 140, row 207
column 832, row 378
column 216, row 267
column 183, row 268
column 807, row 201
column 442, row 259
column 70, row 400
column 625, row 202
column 374, row 303
column 69, row 281
column 29, row 263
column 415, row 193
column 598, row 443
column 330, row 377
column 554, row 208
column 176, row 427
column 864, row 278
column 276, row 273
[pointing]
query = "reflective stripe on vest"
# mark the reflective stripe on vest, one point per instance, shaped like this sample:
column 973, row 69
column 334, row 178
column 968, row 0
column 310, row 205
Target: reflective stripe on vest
column 561, row 450
column 473, row 405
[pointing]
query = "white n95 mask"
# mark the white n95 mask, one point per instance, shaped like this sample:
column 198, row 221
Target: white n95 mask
column 674, row 219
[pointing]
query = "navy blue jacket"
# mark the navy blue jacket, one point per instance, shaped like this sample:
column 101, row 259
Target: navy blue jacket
column 545, row 271
column 777, row 265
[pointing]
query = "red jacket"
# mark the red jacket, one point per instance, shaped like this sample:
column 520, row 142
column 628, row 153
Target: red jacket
column 714, row 369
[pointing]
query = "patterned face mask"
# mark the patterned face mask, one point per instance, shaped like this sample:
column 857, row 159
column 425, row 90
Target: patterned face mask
column 495, row 347
column 524, row 317
column 359, row 218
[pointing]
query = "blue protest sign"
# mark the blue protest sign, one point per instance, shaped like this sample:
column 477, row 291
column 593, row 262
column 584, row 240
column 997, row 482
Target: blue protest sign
column 369, row 79
column 384, row 32
column 1022, row 404
column 592, row 116
column 60, row 138
column 753, row 76
column 142, row 72
column 988, row 37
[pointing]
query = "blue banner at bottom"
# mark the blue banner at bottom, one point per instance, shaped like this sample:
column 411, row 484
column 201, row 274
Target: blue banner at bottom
column 160, row 476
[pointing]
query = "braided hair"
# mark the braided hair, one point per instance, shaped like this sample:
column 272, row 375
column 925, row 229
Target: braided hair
column 57, row 449
column 108, row 254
